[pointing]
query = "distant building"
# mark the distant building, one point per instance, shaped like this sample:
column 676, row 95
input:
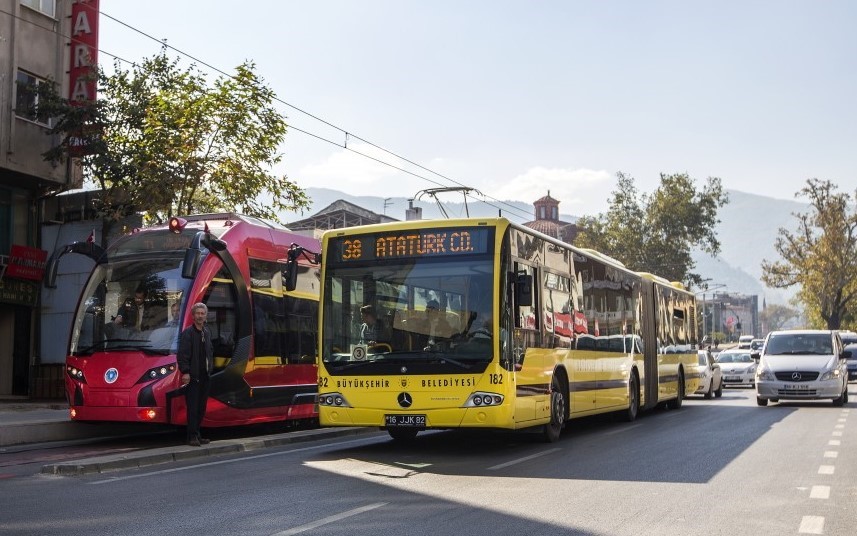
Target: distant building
column 338, row 215
column 547, row 220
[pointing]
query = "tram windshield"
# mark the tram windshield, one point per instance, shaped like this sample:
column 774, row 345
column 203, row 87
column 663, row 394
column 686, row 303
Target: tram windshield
column 133, row 303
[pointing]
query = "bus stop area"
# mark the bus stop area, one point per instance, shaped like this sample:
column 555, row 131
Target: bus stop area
column 26, row 424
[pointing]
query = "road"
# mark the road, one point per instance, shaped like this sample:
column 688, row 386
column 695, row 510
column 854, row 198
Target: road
column 721, row 466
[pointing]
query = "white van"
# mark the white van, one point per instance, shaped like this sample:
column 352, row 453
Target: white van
column 802, row 365
column 744, row 341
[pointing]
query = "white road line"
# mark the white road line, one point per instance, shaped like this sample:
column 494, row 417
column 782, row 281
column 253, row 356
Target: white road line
column 834, row 443
column 330, row 519
column 837, row 433
column 839, row 426
column 819, row 492
column 826, row 470
column 831, row 454
column 623, row 429
column 221, row 462
column 841, row 420
column 811, row 525
column 521, row 460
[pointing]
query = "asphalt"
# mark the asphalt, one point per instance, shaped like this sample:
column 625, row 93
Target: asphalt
column 43, row 423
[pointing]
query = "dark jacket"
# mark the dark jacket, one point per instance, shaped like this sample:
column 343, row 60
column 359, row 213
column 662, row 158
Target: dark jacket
column 195, row 355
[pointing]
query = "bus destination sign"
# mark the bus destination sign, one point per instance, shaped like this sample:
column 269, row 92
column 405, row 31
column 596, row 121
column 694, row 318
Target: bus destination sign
column 424, row 243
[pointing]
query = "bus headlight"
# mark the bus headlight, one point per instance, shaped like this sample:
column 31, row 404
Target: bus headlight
column 333, row 400
column 482, row 399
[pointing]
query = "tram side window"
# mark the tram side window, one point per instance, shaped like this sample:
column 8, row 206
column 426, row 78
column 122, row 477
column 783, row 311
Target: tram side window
column 220, row 297
column 301, row 330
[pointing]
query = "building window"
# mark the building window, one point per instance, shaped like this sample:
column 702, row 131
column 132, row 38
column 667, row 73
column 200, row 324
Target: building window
column 27, row 96
column 48, row 7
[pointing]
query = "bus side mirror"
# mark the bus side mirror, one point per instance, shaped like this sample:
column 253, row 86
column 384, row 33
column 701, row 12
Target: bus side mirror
column 524, row 290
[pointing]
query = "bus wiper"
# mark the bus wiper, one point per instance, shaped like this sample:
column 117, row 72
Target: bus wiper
column 455, row 362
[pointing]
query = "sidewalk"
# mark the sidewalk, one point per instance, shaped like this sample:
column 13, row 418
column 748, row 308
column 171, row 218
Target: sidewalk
column 25, row 422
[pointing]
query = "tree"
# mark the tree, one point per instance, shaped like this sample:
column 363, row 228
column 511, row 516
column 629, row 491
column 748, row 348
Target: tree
column 775, row 316
column 656, row 233
column 163, row 141
column 821, row 256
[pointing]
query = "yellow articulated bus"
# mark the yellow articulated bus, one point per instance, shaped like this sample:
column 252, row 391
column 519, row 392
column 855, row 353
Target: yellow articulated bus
column 483, row 323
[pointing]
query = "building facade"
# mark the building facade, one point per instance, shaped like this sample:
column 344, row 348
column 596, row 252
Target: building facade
column 35, row 48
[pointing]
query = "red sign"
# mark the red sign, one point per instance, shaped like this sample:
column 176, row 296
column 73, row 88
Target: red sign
column 26, row 263
column 84, row 50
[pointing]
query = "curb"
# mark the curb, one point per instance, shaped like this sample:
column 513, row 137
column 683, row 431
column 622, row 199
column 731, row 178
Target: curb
column 146, row 458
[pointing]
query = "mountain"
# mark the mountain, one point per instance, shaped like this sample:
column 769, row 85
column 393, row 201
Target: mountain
column 749, row 225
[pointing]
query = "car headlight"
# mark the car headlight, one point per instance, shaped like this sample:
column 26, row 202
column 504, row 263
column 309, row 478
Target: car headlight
column 830, row 375
column 765, row 374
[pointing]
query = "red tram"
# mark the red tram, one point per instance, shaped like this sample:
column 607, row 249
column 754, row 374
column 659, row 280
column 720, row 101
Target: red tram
column 121, row 362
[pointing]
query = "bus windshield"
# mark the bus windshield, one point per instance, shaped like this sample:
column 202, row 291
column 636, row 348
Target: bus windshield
column 426, row 314
column 131, row 303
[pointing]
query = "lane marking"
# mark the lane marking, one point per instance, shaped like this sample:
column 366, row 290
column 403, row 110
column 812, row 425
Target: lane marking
column 221, row 462
column 837, row 433
column 330, row 519
column 839, row 426
column 831, row 454
column 834, row 443
column 623, row 429
column 524, row 459
column 826, row 470
column 841, row 420
column 819, row 492
column 811, row 525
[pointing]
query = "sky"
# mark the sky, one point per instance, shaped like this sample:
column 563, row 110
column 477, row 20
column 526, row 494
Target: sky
column 520, row 98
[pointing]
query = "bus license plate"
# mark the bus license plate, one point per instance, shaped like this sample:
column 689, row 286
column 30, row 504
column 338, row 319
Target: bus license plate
column 413, row 421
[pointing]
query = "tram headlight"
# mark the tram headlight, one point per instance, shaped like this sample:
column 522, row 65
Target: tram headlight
column 482, row 399
column 75, row 373
column 157, row 373
column 333, row 400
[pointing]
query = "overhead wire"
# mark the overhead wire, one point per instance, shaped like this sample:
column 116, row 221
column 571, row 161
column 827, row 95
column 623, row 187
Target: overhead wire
column 347, row 134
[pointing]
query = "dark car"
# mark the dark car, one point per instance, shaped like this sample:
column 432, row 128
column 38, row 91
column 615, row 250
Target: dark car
column 849, row 341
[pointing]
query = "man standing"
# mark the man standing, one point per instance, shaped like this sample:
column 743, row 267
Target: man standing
column 195, row 357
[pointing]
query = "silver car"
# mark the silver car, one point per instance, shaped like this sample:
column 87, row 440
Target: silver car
column 802, row 365
column 710, row 378
column 737, row 367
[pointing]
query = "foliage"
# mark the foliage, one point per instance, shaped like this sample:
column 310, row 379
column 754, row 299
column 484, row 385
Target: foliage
column 776, row 316
column 163, row 141
column 656, row 233
column 821, row 256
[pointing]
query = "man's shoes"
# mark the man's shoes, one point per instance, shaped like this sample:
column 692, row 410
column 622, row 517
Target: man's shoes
column 194, row 442
column 204, row 441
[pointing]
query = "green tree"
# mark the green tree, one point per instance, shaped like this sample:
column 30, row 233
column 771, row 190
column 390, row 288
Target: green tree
column 162, row 140
column 656, row 233
column 821, row 256
column 775, row 316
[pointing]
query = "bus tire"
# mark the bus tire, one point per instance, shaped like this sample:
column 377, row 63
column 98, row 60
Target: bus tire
column 675, row 403
column 553, row 429
column 403, row 434
column 633, row 398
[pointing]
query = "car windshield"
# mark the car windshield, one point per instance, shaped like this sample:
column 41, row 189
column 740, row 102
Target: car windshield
column 799, row 343
column 734, row 357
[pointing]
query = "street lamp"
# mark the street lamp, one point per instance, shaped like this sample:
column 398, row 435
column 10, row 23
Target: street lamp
column 704, row 315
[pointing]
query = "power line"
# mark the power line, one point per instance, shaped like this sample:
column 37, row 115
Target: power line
column 347, row 134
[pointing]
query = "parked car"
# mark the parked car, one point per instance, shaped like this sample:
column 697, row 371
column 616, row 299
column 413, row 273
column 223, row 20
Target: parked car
column 802, row 365
column 849, row 342
column 710, row 378
column 737, row 367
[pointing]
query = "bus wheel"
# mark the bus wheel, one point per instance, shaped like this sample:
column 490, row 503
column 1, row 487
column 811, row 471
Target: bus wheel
column 402, row 434
column 633, row 398
column 557, row 410
column 676, row 402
